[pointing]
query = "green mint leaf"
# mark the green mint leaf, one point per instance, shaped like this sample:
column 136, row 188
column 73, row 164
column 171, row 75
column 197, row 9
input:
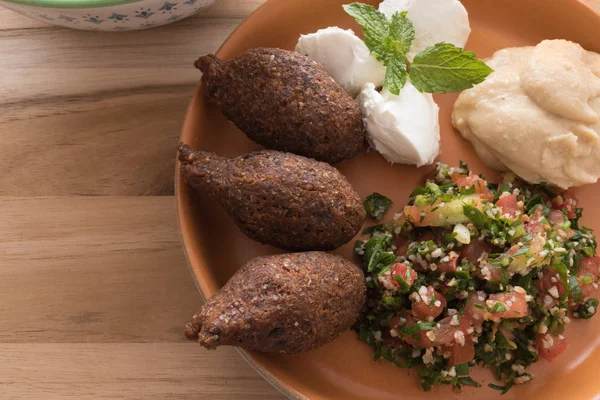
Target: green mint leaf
column 375, row 23
column 444, row 67
column 378, row 47
column 387, row 41
column 395, row 74
column 402, row 31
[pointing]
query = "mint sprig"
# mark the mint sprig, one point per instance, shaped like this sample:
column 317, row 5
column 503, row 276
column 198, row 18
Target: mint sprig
column 370, row 18
column 444, row 67
column 402, row 32
column 395, row 74
column 440, row 68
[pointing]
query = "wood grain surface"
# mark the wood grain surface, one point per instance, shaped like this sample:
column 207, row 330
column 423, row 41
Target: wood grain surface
column 94, row 290
column 109, row 105
column 126, row 371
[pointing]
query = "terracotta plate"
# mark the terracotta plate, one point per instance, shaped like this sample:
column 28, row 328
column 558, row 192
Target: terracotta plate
column 344, row 369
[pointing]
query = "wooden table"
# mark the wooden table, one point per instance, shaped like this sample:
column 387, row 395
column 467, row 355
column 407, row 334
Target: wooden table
column 94, row 287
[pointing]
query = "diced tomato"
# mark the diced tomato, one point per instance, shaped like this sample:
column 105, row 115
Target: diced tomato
column 488, row 272
column 481, row 187
column 494, row 274
column 535, row 225
column 514, row 303
column 395, row 322
column 400, row 276
column 475, row 311
column 422, row 340
column 550, row 347
column 429, row 305
column 455, row 176
column 571, row 206
column 542, row 295
column 464, row 324
column 557, row 220
column 556, row 217
column 509, row 206
column 444, row 332
column 588, row 274
column 590, row 265
column 512, row 250
column 450, row 265
column 536, row 247
column 534, row 255
column 461, row 354
column 408, row 275
column 414, row 214
column 418, row 339
column 566, row 202
column 474, row 250
column 388, row 281
column 551, row 279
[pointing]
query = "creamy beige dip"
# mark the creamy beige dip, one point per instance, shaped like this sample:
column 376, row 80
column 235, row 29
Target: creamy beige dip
column 537, row 114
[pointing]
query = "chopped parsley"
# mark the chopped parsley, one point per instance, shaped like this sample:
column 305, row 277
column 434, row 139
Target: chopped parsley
column 377, row 205
column 499, row 295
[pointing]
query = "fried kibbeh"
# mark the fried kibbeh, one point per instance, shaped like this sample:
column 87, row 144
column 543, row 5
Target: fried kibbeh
column 285, row 101
column 286, row 303
column 282, row 199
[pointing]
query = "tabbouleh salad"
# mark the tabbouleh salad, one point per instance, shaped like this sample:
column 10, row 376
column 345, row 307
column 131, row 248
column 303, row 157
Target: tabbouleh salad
column 475, row 273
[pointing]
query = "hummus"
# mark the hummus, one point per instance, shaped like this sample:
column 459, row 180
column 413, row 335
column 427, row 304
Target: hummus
column 537, row 114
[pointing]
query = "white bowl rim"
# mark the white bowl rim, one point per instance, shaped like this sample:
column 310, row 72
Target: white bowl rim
column 71, row 4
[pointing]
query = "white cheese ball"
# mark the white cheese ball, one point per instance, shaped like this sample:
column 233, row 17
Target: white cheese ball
column 344, row 56
column 435, row 21
column 405, row 128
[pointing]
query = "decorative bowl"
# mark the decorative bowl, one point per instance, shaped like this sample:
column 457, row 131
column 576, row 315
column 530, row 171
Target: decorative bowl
column 107, row 15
